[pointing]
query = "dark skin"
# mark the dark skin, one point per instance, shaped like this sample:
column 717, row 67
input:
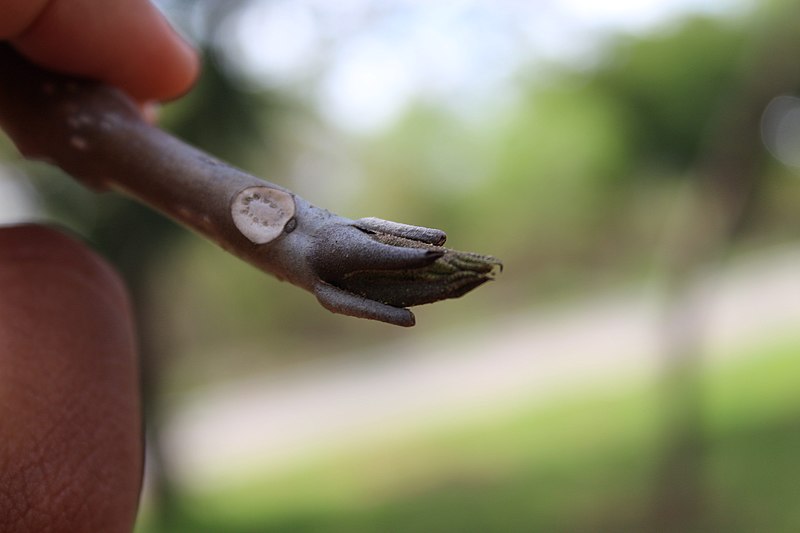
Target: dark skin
column 71, row 449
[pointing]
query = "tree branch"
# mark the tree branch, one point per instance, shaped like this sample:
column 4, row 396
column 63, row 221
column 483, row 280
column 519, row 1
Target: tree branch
column 368, row 268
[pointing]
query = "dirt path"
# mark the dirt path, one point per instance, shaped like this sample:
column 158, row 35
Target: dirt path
column 269, row 421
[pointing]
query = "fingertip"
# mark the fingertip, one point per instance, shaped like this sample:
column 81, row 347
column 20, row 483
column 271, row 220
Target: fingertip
column 163, row 69
column 69, row 394
column 126, row 43
column 27, row 248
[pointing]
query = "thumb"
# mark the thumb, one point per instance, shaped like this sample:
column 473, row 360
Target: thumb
column 71, row 446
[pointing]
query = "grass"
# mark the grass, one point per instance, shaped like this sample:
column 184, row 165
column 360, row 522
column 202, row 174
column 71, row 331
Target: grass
column 599, row 461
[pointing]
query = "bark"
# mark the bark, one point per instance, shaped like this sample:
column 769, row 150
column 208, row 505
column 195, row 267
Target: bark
column 368, row 268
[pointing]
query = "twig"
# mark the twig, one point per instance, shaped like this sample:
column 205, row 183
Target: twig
column 368, row 268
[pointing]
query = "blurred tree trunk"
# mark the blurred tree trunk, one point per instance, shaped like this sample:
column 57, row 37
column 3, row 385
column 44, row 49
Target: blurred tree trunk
column 724, row 196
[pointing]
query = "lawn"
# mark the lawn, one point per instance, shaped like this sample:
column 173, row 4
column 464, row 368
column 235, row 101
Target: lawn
column 600, row 460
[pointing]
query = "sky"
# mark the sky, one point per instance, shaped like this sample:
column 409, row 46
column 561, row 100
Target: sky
column 377, row 56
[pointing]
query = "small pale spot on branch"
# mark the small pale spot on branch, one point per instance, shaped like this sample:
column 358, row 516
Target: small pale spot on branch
column 261, row 213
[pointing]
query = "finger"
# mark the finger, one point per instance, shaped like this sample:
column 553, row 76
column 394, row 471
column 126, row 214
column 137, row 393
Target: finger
column 71, row 447
column 126, row 43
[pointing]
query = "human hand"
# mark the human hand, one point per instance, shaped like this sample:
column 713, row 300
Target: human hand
column 125, row 43
column 71, row 447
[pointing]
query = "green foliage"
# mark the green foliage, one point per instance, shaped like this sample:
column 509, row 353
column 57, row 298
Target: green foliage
column 672, row 86
column 556, row 179
column 557, row 165
column 570, row 178
column 585, row 463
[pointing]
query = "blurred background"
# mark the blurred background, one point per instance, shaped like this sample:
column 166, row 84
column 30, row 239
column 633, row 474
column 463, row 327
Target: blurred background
column 634, row 368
